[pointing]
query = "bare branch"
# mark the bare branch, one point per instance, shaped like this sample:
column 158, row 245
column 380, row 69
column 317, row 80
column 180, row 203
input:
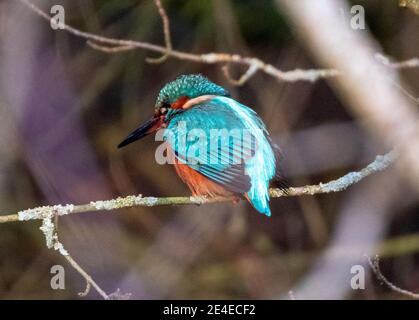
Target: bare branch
column 112, row 45
column 410, row 63
column 48, row 213
column 166, row 30
column 406, row 93
column 253, row 68
column 40, row 213
column 49, row 229
column 375, row 266
column 207, row 58
column 118, row 295
column 365, row 86
column 86, row 291
column 118, row 45
column 89, row 279
column 107, row 49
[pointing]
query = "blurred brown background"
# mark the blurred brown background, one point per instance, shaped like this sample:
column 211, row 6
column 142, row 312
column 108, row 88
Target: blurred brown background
column 64, row 108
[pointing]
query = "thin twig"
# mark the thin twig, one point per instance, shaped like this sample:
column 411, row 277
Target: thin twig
column 86, row 290
column 48, row 213
column 166, row 31
column 375, row 266
column 336, row 46
column 90, row 282
column 254, row 64
column 410, row 63
column 107, row 49
column 112, row 45
column 380, row 163
column 89, row 279
column 251, row 70
column 50, row 231
column 406, row 93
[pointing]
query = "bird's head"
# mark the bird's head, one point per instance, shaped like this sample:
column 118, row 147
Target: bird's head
column 176, row 96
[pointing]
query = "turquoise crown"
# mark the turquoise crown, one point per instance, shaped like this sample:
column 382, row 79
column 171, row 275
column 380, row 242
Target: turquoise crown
column 191, row 86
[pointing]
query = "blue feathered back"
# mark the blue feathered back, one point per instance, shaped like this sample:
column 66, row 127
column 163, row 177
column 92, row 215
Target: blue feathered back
column 242, row 165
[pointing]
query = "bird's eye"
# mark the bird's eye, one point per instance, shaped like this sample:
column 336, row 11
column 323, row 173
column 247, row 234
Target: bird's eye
column 164, row 108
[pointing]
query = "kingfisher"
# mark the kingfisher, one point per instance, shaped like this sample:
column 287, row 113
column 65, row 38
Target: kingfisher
column 240, row 161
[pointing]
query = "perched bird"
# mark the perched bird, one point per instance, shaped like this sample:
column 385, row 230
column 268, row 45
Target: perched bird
column 239, row 161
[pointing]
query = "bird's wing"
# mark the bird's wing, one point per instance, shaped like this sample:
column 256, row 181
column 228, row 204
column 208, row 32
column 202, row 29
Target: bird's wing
column 211, row 140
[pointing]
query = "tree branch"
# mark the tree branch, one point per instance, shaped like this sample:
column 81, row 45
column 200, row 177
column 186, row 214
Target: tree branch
column 367, row 86
column 49, row 229
column 166, row 31
column 410, row 63
column 40, row 213
column 112, row 45
column 48, row 213
column 375, row 266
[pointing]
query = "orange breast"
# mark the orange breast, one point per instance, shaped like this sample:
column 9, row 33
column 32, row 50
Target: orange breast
column 196, row 182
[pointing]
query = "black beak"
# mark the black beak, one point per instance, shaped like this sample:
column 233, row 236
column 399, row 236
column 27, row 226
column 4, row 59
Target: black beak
column 145, row 129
